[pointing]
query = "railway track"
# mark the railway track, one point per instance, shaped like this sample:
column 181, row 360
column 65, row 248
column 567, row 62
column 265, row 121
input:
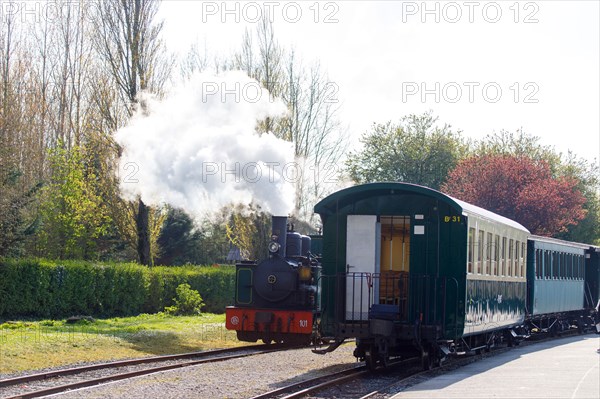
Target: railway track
column 361, row 383
column 302, row 388
column 369, row 382
column 52, row 382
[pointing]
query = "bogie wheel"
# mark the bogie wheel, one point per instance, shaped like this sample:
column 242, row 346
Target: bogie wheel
column 370, row 359
column 510, row 341
column 580, row 327
column 374, row 359
column 427, row 361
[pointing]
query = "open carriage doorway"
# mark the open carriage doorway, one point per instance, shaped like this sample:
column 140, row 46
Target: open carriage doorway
column 394, row 261
column 378, row 263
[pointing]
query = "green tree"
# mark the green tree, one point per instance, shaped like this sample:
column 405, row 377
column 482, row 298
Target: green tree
column 517, row 144
column 178, row 239
column 415, row 150
column 214, row 245
column 18, row 222
column 249, row 228
column 588, row 176
column 73, row 213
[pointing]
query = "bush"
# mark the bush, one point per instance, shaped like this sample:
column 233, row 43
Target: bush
column 41, row 288
column 188, row 301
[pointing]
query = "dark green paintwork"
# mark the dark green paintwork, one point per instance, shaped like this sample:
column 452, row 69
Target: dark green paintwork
column 494, row 302
column 316, row 244
column 243, row 290
column 592, row 277
column 437, row 258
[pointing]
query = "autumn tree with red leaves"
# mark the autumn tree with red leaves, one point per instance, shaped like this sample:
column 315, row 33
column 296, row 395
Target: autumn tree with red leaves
column 519, row 188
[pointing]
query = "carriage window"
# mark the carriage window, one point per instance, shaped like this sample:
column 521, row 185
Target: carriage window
column 538, row 263
column 480, row 252
column 555, row 265
column 511, row 257
column 517, row 259
column 471, row 250
column 503, row 260
column 569, row 266
column 496, row 263
column 547, row 264
column 488, row 254
column 523, row 259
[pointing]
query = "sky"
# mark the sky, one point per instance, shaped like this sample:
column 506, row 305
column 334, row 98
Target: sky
column 480, row 66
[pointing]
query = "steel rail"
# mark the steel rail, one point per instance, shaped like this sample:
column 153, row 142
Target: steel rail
column 258, row 349
column 338, row 377
column 121, row 363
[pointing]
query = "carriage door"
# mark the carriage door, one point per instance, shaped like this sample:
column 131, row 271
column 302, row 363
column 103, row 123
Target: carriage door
column 362, row 260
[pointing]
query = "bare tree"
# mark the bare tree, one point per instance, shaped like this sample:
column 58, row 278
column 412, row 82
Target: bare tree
column 313, row 127
column 8, row 106
column 128, row 39
column 263, row 63
column 195, row 61
column 19, row 151
column 311, row 123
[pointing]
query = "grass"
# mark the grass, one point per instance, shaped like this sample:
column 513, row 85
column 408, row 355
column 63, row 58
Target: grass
column 33, row 345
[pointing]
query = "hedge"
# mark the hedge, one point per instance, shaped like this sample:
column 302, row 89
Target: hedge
column 42, row 288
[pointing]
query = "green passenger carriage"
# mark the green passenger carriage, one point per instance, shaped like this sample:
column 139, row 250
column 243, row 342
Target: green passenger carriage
column 409, row 269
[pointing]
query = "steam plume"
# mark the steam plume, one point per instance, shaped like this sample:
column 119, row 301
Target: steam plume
column 198, row 150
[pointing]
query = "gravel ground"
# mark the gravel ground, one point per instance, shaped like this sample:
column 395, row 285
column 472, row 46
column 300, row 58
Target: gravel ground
column 239, row 378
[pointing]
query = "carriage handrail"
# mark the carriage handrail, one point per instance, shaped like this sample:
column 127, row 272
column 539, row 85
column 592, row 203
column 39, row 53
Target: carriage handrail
column 368, row 284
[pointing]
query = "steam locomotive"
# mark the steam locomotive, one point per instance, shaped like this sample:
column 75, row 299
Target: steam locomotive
column 276, row 298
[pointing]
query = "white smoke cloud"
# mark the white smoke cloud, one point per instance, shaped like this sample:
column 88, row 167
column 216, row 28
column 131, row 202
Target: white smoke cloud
column 198, row 150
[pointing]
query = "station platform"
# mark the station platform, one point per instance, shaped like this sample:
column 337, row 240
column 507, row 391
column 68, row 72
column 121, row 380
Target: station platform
column 564, row 368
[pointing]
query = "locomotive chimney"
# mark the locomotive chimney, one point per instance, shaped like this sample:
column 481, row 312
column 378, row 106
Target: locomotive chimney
column 279, row 230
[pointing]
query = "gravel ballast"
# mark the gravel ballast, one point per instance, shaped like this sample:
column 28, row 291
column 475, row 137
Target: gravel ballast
column 238, row 378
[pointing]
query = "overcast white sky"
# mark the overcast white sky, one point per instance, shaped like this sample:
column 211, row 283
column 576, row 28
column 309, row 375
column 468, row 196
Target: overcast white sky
column 543, row 56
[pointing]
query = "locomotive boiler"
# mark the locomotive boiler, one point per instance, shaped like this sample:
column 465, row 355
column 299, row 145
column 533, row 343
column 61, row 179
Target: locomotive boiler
column 276, row 298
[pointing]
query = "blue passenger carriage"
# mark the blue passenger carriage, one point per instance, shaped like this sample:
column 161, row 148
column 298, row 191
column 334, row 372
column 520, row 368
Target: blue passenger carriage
column 556, row 279
column 562, row 284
